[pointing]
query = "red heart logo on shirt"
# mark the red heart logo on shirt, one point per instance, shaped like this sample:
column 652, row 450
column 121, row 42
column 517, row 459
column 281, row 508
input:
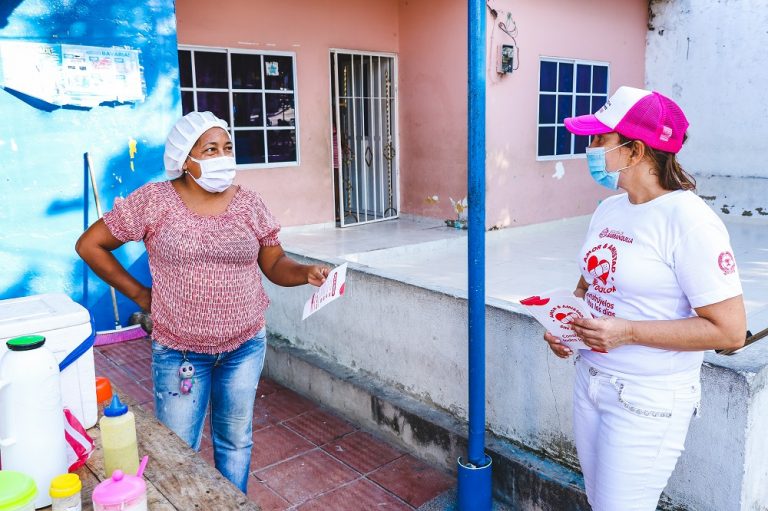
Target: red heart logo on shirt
column 599, row 268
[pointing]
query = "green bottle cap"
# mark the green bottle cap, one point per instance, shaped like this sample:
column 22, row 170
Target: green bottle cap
column 25, row 343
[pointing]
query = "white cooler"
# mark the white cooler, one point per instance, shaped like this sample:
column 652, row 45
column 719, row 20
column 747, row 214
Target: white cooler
column 65, row 325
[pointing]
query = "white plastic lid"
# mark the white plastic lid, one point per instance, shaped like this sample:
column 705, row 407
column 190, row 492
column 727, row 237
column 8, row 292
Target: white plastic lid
column 39, row 313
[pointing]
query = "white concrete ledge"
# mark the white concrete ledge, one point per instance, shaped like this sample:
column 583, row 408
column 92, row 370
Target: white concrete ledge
column 410, row 334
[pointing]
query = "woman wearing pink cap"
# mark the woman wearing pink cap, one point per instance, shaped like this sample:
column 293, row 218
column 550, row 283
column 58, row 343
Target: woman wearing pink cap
column 208, row 243
column 658, row 273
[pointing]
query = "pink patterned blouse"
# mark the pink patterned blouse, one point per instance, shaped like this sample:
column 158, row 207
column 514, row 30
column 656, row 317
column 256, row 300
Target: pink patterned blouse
column 207, row 295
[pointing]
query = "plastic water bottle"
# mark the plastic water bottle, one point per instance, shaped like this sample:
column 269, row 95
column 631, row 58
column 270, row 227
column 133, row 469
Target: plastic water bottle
column 31, row 413
column 118, row 439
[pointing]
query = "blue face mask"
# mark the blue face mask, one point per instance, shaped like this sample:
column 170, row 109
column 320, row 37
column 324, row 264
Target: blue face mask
column 598, row 170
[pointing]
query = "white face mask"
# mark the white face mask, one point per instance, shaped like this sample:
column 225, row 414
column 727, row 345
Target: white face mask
column 216, row 174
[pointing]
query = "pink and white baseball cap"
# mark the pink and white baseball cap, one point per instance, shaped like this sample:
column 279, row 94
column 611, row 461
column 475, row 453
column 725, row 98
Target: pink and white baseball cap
column 637, row 114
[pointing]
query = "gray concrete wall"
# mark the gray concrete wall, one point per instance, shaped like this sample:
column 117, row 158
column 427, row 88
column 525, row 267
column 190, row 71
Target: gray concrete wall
column 710, row 57
column 414, row 339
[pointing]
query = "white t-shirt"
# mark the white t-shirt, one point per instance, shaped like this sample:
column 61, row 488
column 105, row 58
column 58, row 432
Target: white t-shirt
column 654, row 261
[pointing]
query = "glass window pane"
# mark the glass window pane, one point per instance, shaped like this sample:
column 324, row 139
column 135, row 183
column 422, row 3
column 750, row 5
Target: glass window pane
column 211, row 70
column 246, row 71
column 185, row 68
column 281, row 145
column 563, row 141
column 580, row 144
column 598, row 102
column 600, row 79
column 565, row 79
column 278, row 72
column 249, row 146
column 582, row 105
column 547, row 109
column 564, row 107
column 187, row 101
column 214, row 102
column 248, row 109
column 548, row 76
column 583, row 78
column 546, row 141
column 280, row 110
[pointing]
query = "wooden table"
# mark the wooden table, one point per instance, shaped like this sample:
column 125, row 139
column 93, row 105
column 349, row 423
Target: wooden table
column 177, row 477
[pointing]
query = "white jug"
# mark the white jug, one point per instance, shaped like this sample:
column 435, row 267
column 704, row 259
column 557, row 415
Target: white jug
column 31, row 414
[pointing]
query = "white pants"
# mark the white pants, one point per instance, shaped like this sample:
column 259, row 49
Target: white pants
column 629, row 435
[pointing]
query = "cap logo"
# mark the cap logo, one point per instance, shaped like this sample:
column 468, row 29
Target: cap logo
column 666, row 132
column 605, row 106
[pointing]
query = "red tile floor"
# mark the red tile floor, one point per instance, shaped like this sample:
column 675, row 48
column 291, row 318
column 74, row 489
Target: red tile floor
column 304, row 457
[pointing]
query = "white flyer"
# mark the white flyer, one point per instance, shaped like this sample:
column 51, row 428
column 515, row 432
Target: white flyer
column 556, row 310
column 332, row 288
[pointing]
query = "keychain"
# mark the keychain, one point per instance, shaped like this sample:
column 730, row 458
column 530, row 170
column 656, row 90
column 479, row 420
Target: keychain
column 187, row 376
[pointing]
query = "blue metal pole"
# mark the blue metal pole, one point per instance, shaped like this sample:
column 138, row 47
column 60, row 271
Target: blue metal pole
column 476, row 252
column 474, row 474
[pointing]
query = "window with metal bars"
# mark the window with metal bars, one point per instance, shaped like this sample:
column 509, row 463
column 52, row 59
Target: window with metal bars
column 567, row 88
column 254, row 91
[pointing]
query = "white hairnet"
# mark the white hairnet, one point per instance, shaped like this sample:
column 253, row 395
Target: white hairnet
column 183, row 136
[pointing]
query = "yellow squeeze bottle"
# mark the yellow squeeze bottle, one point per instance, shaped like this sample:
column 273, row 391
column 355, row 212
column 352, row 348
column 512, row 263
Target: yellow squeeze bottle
column 118, row 439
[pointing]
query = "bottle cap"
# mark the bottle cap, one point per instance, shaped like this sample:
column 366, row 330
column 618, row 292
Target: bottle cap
column 103, row 389
column 16, row 489
column 25, row 343
column 119, row 489
column 115, row 408
column 65, row 485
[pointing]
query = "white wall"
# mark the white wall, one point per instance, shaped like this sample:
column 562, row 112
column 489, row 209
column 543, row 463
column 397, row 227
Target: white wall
column 711, row 57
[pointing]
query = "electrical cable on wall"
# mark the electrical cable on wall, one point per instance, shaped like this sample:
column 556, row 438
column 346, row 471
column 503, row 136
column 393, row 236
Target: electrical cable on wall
column 504, row 21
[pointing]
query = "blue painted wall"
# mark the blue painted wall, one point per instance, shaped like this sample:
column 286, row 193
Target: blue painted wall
column 42, row 146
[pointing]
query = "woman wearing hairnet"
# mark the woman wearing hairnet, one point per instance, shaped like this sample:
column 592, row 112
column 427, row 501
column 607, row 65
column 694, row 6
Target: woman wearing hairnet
column 208, row 243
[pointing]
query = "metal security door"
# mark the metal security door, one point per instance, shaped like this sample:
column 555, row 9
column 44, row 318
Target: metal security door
column 364, row 106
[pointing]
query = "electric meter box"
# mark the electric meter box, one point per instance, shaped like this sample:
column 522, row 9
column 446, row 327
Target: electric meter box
column 505, row 60
column 65, row 325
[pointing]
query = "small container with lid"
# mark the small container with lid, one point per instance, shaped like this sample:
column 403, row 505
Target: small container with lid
column 65, row 493
column 121, row 492
column 103, row 393
column 17, row 491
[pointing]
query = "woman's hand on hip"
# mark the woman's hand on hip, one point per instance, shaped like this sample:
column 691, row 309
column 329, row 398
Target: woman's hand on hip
column 604, row 334
column 316, row 274
column 557, row 347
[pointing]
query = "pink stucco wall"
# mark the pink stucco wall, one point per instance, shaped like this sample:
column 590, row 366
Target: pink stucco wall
column 520, row 189
column 430, row 38
column 300, row 194
column 433, row 105
column 433, row 94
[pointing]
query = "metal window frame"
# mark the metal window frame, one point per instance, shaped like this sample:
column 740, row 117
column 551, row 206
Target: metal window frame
column 573, row 94
column 262, row 91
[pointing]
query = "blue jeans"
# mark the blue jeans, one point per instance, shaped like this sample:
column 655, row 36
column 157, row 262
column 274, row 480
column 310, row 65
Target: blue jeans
column 228, row 381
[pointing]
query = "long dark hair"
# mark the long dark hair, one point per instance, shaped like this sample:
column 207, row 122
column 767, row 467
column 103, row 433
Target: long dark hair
column 671, row 174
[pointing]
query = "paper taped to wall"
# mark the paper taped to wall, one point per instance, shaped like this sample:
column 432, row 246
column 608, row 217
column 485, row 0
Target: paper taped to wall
column 69, row 74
